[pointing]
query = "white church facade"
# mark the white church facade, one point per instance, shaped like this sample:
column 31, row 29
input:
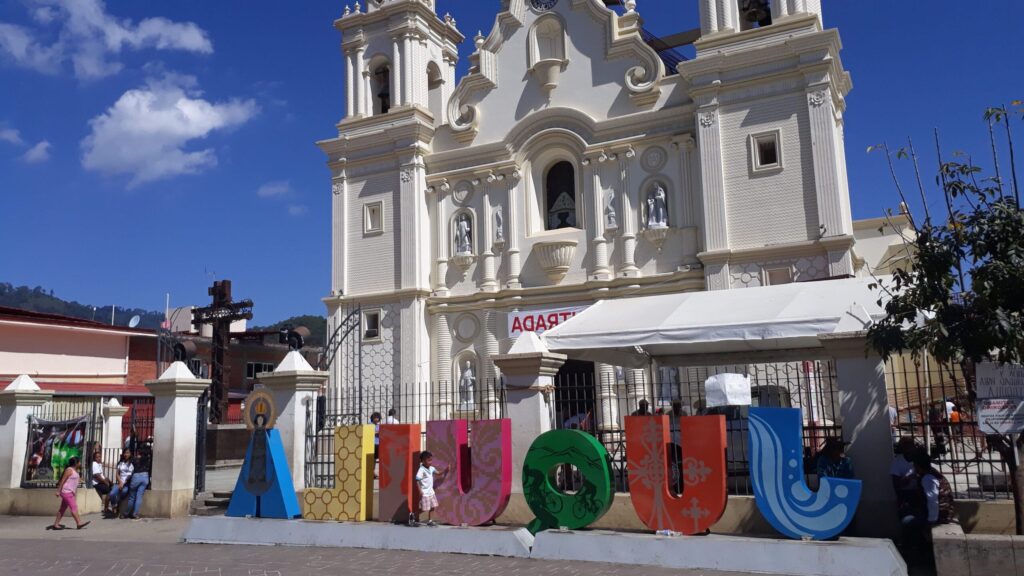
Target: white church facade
column 572, row 164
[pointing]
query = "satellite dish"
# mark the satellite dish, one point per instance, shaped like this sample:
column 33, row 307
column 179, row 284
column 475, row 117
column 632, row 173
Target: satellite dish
column 134, row 321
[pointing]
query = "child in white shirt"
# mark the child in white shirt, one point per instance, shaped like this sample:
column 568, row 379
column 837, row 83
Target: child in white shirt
column 425, row 480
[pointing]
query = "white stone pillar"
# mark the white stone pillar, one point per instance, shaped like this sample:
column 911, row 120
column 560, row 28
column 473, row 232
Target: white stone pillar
column 708, row 16
column 292, row 385
column 173, row 477
column 350, row 85
column 490, row 347
column 396, row 72
column 358, row 80
column 513, row 230
column 596, row 194
column 441, row 228
column 529, row 370
column 863, row 411
column 607, row 400
column 17, row 402
column 826, row 168
column 780, row 9
column 488, row 281
column 409, row 60
column 443, row 361
column 630, row 216
column 113, row 416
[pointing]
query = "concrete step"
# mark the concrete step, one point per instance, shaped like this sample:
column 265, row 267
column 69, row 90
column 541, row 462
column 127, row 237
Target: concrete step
column 227, row 495
column 207, row 510
column 217, row 502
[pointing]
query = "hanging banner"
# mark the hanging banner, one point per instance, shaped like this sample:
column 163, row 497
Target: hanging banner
column 50, row 446
column 539, row 320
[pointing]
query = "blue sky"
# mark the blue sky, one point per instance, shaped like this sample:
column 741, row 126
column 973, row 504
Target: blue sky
column 105, row 201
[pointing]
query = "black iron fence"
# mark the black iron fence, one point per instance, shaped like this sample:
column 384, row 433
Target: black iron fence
column 411, row 403
column 58, row 431
column 598, row 404
column 930, row 402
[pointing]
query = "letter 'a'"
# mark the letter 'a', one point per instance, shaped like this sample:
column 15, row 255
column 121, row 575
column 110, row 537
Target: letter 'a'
column 782, row 496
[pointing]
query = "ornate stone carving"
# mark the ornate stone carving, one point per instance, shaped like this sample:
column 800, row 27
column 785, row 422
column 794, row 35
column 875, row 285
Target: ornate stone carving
column 463, row 192
column 817, row 98
column 467, row 327
column 657, row 208
column 467, row 388
column 556, row 257
column 406, row 176
column 463, row 235
column 499, row 226
column 610, row 220
column 654, row 159
column 707, row 119
column 336, row 188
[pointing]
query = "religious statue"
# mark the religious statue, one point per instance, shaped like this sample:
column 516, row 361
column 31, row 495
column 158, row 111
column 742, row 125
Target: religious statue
column 657, row 208
column 610, row 221
column 467, row 385
column 463, row 235
column 499, row 225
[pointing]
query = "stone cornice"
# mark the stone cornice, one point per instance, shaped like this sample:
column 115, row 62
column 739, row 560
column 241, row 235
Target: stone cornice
column 399, row 11
column 25, row 398
column 376, row 297
column 178, row 388
column 529, row 364
column 793, row 249
column 294, row 380
column 114, row 411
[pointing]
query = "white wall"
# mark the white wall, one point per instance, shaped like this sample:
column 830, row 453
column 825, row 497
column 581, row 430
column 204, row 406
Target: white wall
column 51, row 351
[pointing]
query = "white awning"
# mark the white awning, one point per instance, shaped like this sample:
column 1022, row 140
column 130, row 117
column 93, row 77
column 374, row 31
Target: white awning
column 627, row 331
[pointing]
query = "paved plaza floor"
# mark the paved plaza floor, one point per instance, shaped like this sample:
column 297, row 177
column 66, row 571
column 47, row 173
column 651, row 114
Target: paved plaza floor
column 151, row 548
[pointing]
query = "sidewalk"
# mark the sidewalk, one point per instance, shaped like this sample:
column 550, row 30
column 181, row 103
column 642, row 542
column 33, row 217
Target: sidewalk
column 156, row 531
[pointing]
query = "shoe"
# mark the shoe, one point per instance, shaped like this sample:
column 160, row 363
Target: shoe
column 83, row 525
column 136, row 517
column 431, row 523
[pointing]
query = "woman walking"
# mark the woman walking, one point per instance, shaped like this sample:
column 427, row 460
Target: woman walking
column 66, row 492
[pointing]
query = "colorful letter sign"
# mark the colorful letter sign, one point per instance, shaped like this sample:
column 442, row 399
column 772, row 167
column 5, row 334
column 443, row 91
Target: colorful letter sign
column 781, row 494
column 552, row 507
column 399, row 445
column 352, row 495
column 488, row 472
column 703, row 470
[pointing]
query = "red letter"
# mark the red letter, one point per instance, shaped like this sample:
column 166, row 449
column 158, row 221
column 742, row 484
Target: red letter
column 399, row 444
column 703, row 471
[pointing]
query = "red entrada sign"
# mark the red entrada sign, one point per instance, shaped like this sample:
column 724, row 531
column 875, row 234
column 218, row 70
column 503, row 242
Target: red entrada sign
column 539, row 320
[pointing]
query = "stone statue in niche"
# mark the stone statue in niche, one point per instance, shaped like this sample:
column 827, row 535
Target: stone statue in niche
column 499, row 225
column 463, row 235
column 467, row 386
column 610, row 220
column 657, row 208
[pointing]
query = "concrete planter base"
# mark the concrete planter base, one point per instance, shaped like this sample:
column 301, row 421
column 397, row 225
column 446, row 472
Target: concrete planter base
column 845, row 557
column 489, row 541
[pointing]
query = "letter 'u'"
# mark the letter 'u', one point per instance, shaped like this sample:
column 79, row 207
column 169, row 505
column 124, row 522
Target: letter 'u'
column 781, row 494
column 491, row 468
column 702, row 468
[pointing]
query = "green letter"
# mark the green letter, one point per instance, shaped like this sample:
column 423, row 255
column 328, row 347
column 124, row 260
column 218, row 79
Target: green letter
column 553, row 508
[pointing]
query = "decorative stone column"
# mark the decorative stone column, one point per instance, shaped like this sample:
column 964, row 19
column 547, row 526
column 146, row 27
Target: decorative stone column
column 113, row 416
column 396, row 71
column 17, row 402
column 358, row 79
column 292, row 385
column 513, row 230
column 863, row 410
column 529, row 369
column 599, row 242
column 607, row 399
column 173, row 477
column 443, row 363
column 493, row 376
column 630, row 216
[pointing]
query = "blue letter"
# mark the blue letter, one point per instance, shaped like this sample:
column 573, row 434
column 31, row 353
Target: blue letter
column 776, row 470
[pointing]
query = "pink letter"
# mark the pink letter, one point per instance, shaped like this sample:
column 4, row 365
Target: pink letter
column 487, row 469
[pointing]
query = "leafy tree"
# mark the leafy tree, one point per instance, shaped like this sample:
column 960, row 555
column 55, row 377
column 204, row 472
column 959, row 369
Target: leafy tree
column 962, row 298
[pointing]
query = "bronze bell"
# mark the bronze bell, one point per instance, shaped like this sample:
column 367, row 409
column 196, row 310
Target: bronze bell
column 758, row 11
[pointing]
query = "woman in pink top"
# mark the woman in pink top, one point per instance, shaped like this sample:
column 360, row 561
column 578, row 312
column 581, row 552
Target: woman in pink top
column 66, row 492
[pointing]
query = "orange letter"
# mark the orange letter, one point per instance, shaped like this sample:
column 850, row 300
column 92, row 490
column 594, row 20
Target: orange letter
column 703, row 471
column 399, row 444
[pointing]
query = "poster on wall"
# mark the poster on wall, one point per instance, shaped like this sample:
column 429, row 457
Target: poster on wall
column 50, row 446
column 1001, row 415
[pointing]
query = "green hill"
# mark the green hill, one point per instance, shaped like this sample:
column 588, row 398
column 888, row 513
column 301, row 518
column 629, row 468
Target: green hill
column 317, row 327
column 39, row 299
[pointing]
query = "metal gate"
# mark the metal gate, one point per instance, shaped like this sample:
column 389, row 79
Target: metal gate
column 202, row 416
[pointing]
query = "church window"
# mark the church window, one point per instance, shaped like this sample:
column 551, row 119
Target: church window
column 371, row 324
column 755, row 13
column 765, row 152
column 373, row 218
column 560, row 196
column 435, row 98
column 778, row 276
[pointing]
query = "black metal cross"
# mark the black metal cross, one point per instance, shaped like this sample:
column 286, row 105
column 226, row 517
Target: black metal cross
column 220, row 314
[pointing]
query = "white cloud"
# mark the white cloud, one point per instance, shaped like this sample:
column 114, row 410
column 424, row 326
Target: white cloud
column 91, row 38
column 11, row 136
column 19, row 44
column 272, row 189
column 146, row 133
column 297, row 209
column 38, row 153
